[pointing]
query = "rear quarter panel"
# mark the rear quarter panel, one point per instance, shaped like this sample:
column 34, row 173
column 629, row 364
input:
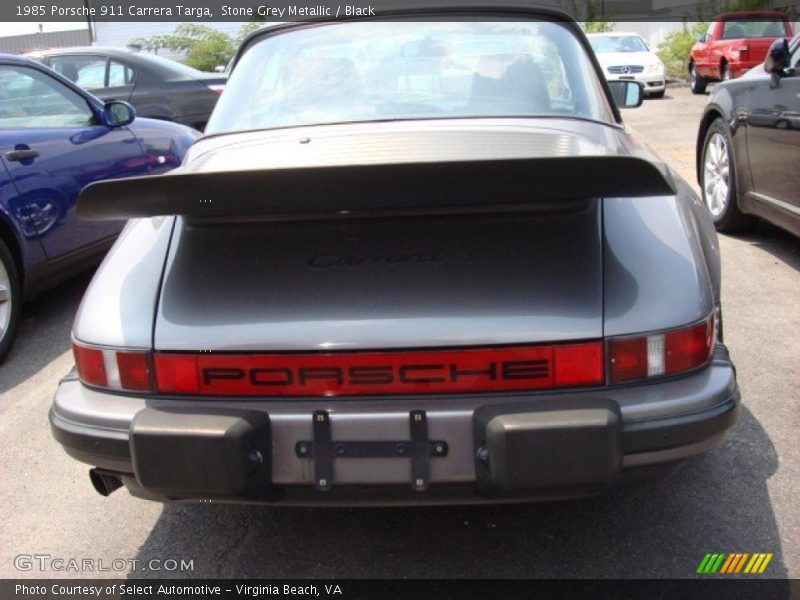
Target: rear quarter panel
column 118, row 307
column 661, row 263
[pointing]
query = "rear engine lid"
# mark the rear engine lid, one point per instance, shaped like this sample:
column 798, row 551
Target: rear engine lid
column 432, row 282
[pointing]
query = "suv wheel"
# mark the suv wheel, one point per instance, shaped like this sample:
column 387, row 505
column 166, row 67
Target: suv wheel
column 718, row 183
column 697, row 83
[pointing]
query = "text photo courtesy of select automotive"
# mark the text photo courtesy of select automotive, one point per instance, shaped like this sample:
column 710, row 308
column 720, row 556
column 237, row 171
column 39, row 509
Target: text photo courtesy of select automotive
column 520, row 280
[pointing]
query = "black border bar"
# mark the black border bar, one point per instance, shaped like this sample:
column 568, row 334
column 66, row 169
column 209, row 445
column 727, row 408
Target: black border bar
column 733, row 587
column 208, row 11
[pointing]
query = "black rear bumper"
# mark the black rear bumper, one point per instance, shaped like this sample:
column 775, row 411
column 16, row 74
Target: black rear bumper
column 522, row 450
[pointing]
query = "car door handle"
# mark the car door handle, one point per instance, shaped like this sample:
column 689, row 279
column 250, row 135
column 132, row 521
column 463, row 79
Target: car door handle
column 18, row 155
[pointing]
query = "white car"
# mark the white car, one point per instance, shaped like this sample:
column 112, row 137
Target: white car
column 627, row 56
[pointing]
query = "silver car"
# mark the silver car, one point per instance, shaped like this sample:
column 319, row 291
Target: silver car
column 411, row 261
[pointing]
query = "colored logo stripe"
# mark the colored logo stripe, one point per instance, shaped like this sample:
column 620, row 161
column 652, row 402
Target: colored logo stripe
column 734, row 562
column 711, row 563
column 728, row 563
column 758, row 563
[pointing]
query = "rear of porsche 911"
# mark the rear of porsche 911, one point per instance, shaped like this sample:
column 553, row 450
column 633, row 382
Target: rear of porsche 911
column 410, row 310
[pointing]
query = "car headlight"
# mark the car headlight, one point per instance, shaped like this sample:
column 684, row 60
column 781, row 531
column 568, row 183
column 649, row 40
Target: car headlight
column 654, row 68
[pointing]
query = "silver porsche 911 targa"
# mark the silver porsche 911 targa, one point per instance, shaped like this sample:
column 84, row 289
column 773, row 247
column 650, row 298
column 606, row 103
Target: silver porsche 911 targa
column 418, row 260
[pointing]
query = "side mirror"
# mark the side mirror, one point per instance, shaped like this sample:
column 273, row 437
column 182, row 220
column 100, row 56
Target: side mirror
column 118, row 113
column 700, row 37
column 778, row 57
column 627, row 94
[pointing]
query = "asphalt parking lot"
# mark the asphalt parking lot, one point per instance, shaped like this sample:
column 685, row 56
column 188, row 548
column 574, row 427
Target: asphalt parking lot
column 740, row 497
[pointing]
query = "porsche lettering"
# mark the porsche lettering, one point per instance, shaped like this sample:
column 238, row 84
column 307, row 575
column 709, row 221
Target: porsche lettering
column 378, row 374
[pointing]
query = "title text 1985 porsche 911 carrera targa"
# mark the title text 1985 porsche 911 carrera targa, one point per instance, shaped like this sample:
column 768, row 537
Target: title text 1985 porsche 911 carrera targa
column 412, row 260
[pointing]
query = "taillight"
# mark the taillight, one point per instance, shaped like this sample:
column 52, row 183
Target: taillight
column 125, row 370
column 90, row 364
column 217, row 88
column 628, row 359
column 665, row 353
column 134, row 370
column 456, row 370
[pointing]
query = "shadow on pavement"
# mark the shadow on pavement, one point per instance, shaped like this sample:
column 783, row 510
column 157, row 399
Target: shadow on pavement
column 44, row 332
column 717, row 503
column 778, row 242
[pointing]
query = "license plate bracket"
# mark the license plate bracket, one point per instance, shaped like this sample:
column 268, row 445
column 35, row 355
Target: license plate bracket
column 323, row 450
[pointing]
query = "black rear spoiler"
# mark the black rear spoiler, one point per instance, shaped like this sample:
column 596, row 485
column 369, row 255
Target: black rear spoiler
column 395, row 188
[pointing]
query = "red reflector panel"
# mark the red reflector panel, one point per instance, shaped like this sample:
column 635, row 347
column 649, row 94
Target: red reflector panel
column 579, row 364
column 628, row 359
column 89, row 362
column 177, row 373
column 358, row 373
column 688, row 348
column 134, row 371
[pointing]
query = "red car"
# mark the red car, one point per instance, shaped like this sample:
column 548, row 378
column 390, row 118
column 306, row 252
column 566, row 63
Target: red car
column 733, row 44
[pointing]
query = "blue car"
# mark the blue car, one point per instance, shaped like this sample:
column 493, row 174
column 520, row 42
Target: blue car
column 55, row 138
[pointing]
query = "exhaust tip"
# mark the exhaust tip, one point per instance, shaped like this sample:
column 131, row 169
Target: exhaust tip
column 104, row 482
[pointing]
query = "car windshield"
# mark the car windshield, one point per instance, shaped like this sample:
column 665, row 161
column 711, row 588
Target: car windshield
column 371, row 71
column 733, row 30
column 618, row 43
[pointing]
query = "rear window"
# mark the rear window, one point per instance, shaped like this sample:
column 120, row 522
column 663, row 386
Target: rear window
column 732, row 30
column 119, row 74
column 360, row 71
column 89, row 72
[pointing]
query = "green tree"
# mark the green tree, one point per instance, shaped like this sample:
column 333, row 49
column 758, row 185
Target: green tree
column 247, row 29
column 590, row 13
column 674, row 49
column 598, row 26
column 203, row 47
column 708, row 9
